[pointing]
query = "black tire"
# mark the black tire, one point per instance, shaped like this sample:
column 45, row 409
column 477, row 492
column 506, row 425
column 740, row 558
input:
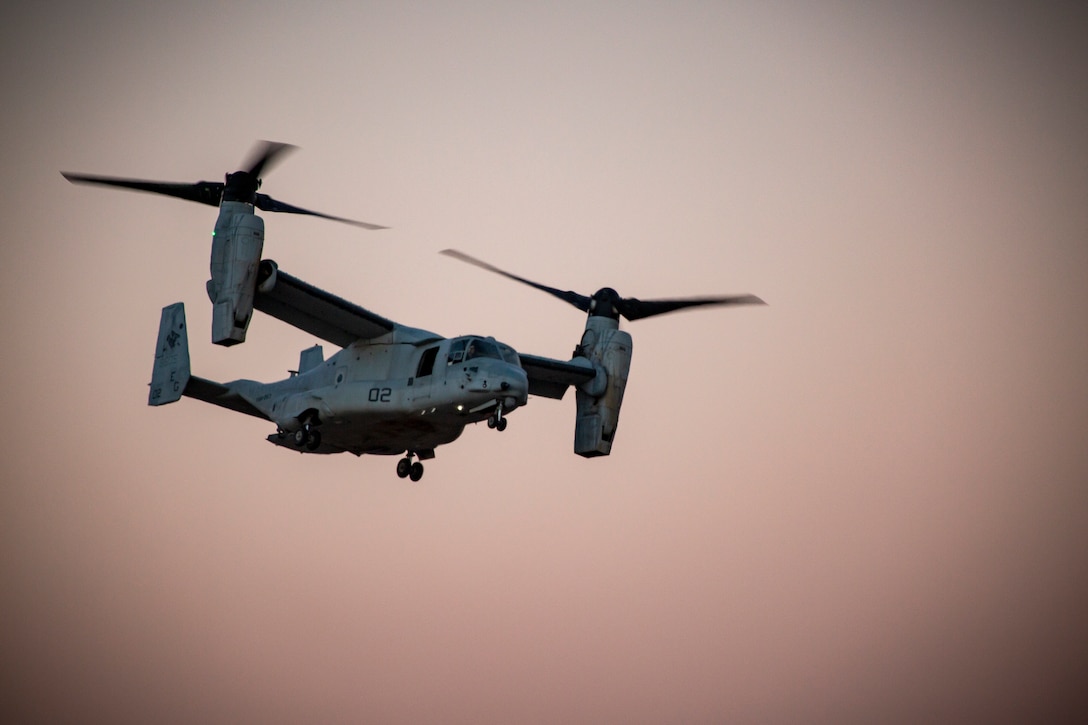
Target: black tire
column 301, row 437
column 501, row 425
column 417, row 471
column 404, row 467
column 313, row 440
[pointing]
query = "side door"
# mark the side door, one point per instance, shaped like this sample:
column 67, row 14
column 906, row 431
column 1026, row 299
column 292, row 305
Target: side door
column 426, row 374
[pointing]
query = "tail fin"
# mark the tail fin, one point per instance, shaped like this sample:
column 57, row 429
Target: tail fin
column 171, row 372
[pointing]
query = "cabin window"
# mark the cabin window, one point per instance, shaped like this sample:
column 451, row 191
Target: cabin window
column 426, row 362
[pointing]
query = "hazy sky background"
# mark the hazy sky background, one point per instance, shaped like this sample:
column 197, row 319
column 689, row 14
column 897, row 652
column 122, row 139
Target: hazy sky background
column 865, row 502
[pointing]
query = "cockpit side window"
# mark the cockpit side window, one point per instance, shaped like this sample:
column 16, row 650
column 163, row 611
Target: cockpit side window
column 509, row 354
column 457, row 351
column 426, row 362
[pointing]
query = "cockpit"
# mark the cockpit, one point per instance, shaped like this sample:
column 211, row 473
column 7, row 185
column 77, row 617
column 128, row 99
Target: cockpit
column 463, row 349
column 486, row 378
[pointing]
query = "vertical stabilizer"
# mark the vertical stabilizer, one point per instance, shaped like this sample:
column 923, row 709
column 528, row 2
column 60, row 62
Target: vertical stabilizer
column 171, row 372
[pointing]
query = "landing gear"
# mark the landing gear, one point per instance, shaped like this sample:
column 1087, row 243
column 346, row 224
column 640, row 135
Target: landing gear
column 308, row 437
column 497, row 421
column 406, row 468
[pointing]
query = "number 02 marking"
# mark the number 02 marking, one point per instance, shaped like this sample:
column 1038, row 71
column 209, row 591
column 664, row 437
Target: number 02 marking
column 379, row 395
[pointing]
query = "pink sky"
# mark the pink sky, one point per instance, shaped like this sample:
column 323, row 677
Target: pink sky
column 865, row 502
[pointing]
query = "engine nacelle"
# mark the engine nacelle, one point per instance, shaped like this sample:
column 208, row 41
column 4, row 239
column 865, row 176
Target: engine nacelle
column 237, row 244
column 599, row 400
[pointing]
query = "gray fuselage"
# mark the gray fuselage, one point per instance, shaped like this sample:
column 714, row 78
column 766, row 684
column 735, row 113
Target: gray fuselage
column 386, row 397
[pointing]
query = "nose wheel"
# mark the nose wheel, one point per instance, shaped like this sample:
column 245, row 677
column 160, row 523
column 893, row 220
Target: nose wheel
column 406, row 468
column 497, row 421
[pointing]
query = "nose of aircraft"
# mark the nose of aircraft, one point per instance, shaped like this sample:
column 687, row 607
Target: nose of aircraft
column 497, row 377
column 515, row 384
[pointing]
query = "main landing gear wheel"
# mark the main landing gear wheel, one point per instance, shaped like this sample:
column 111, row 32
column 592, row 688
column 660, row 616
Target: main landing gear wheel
column 407, row 469
column 308, row 437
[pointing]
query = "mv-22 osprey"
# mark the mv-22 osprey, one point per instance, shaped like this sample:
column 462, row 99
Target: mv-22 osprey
column 391, row 389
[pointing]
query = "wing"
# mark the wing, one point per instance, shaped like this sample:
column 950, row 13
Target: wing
column 325, row 315
column 550, row 378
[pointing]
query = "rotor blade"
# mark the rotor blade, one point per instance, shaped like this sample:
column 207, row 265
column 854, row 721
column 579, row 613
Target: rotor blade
column 579, row 301
column 635, row 309
column 203, row 192
column 266, row 203
column 264, row 155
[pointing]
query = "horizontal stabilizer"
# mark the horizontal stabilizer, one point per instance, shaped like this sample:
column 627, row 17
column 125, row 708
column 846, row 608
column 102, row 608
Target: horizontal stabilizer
column 222, row 395
column 171, row 377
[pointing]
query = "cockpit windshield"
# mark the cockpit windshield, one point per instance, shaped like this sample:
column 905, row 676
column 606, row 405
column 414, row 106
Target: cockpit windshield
column 467, row 348
column 481, row 348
